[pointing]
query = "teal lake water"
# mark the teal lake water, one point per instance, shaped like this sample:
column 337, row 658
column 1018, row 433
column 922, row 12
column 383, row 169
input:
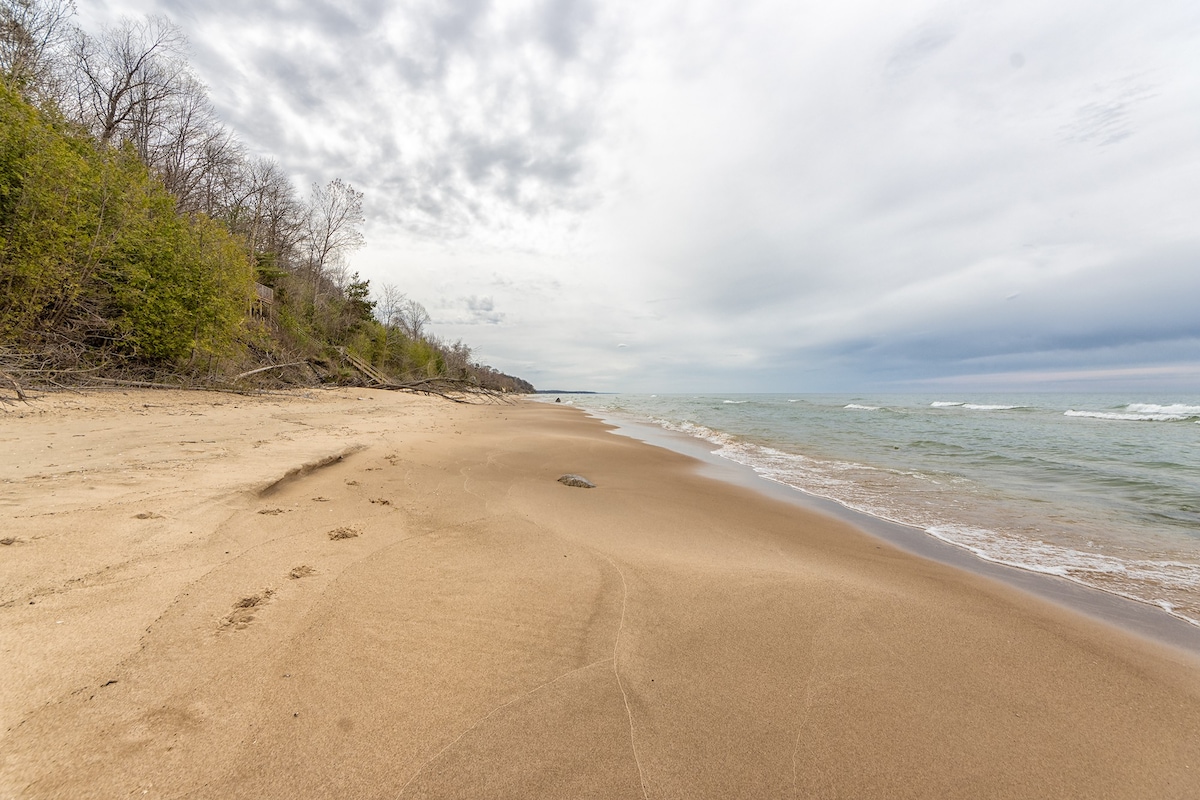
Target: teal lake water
column 1099, row 489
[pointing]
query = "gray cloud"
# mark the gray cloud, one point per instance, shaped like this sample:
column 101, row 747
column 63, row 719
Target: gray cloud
column 1109, row 119
column 564, row 24
column 468, row 311
column 748, row 196
column 455, row 116
column 918, row 47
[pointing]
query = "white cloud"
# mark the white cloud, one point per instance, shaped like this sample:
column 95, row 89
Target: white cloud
column 752, row 195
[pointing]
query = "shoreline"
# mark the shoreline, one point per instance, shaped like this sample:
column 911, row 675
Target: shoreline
column 362, row 593
column 1141, row 618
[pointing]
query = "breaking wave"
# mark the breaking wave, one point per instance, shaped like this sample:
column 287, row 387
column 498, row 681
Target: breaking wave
column 1143, row 412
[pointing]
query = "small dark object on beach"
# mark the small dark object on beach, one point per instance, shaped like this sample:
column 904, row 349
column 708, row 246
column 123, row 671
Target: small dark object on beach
column 577, row 480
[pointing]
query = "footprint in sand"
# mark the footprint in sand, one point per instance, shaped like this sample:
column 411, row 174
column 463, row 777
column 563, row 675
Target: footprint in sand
column 344, row 533
column 302, row 571
column 245, row 609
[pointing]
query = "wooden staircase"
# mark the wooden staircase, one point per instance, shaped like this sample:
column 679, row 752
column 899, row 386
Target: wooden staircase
column 374, row 376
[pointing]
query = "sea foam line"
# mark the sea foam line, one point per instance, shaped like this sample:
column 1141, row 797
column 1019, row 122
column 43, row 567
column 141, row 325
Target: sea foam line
column 1143, row 412
column 973, row 406
column 1064, row 562
column 1174, row 408
column 1124, row 416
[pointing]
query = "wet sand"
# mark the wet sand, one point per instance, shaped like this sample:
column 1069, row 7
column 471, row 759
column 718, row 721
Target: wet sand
column 365, row 594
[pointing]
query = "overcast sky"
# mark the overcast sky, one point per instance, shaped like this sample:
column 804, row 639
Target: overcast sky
column 686, row 195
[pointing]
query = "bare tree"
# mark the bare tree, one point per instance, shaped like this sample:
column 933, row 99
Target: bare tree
column 278, row 219
column 33, row 36
column 190, row 150
column 458, row 360
column 259, row 202
column 127, row 77
column 331, row 232
column 387, row 304
column 411, row 317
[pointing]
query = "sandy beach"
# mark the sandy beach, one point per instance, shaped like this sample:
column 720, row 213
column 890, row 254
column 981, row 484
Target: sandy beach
column 364, row 594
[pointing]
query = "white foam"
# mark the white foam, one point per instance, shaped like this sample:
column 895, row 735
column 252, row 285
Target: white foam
column 861, row 408
column 1123, row 416
column 972, row 406
column 987, row 407
column 1068, row 562
column 1174, row 409
column 734, row 402
column 1144, row 412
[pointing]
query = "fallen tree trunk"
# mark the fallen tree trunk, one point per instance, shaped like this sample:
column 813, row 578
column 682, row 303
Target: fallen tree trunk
column 448, row 388
column 264, row 369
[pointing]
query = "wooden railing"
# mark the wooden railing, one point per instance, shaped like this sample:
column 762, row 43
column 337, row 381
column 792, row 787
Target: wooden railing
column 366, row 369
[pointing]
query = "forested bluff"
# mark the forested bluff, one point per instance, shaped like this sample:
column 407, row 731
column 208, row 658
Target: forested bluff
column 139, row 243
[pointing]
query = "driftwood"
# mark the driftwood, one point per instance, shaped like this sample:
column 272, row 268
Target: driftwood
column 452, row 389
column 247, row 374
column 65, row 370
column 456, row 391
column 135, row 384
column 16, row 387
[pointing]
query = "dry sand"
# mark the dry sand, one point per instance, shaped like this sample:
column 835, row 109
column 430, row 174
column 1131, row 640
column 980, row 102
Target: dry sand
column 193, row 607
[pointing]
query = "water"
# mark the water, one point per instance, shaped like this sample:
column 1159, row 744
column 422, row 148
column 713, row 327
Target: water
column 1102, row 490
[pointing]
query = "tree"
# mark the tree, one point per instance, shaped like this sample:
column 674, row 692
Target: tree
column 92, row 249
column 189, row 149
column 331, row 232
column 458, row 359
column 359, row 305
column 260, row 203
column 387, row 304
column 56, row 216
column 181, row 282
column 395, row 310
column 412, row 318
column 126, row 77
column 33, row 36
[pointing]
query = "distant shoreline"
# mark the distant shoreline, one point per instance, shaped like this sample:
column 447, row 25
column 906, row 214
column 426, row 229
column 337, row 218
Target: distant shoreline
column 566, row 391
